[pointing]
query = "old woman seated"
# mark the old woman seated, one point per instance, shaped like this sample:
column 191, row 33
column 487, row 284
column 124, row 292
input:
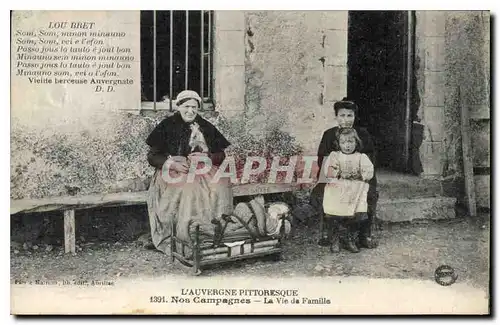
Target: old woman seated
column 177, row 142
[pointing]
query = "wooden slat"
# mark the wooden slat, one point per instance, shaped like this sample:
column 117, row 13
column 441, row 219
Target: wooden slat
column 213, row 257
column 77, row 202
column 467, row 155
column 69, row 231
column 254, row 189
column 266, row 243
column 241, row 257
column 123, row 199
column 182, row 242
column 182, row 259
column 211, row 251
column 196, row 250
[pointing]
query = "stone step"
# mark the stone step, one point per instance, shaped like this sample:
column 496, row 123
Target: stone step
column 410, row 209
column 404, row 197
column 393, row 185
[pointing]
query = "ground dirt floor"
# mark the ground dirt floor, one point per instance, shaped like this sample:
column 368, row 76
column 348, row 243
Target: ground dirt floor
column 406, row 251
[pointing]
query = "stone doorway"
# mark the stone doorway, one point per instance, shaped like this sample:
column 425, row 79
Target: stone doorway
column 380, row 59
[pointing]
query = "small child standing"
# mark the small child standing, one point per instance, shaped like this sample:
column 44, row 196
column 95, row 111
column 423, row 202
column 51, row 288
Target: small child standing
column 345, row 200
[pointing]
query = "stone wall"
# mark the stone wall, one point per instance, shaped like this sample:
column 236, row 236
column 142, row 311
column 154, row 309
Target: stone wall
column 107, row 155
column 430, row 70
column 69, row 145
column 63, row 149
column 69, row 139
column 452, row 56
column 295, row 67
column 276, row 76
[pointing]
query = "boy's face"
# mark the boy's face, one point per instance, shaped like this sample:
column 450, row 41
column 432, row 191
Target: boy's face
column 347, row 144
column 345, row 117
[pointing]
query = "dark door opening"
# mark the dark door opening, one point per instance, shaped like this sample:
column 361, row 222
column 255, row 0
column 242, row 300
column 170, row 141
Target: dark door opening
column 378, row 58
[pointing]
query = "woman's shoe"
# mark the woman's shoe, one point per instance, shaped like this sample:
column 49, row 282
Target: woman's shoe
column 323, row 242
column 366, row 239
column 368, row 242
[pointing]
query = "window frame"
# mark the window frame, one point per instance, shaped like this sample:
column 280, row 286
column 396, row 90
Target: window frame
column 208, row 103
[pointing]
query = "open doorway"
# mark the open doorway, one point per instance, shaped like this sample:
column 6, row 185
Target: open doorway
column 380, row 59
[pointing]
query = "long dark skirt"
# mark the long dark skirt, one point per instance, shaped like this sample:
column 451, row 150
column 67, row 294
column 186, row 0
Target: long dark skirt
column 182, row 203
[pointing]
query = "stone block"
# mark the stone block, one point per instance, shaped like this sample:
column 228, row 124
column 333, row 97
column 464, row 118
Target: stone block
column 479, row 112
column 403, row 186
column 336, row 47
column 276, row 19
column 231, row 85
column 434, row 22
column 454, row 186
column 434, row 88
column 281, row 80
column 401, row 210
column 335, row 19
column 230, row 113
column 313, row 19
column 229, row 48
column 431, row 157
column 433, row 121
column 335, row 83
column 480, row 142
column 229, row 20
column 267, row 36
column 217, row 79
column 483, row 191
column 434, row 53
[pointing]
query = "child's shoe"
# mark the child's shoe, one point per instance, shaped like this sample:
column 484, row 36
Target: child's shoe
column 350, row 239
column 350, row 244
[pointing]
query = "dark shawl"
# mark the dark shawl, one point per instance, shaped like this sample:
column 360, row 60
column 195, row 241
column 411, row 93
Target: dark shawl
column 171, row 137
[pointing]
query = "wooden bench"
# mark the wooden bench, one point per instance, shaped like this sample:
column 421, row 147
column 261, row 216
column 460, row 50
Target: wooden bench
column 68, row 204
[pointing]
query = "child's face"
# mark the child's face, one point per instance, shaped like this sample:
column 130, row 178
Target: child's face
column 345, row 117
column 347, row 143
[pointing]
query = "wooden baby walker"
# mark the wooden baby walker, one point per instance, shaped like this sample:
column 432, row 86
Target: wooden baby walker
column 222, row 248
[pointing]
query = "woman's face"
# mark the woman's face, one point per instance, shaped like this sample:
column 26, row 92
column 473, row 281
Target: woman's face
column 345, row 117
column 189, row 110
